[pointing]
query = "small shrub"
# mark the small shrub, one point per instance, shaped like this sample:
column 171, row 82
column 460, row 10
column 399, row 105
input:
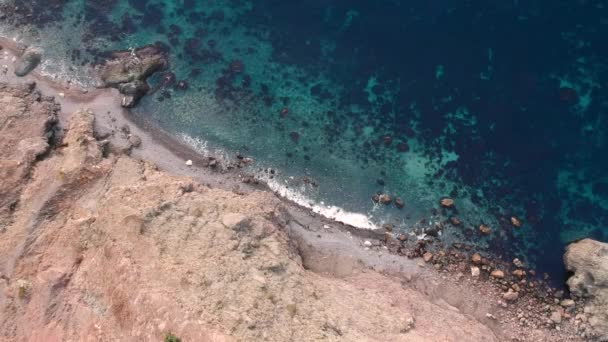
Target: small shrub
column 172, row 338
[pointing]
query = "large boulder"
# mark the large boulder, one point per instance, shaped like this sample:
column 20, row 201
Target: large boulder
column 588, row 260
column 28, row 61
column 132, row 92
column 128, row 71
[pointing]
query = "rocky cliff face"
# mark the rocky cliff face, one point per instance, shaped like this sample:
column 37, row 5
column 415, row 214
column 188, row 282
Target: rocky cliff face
column 588, row 260
column 102, row 247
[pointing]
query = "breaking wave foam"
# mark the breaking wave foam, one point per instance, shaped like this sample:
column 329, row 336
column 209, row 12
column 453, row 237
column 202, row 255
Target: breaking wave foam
column 332, row 212
column 335, row 213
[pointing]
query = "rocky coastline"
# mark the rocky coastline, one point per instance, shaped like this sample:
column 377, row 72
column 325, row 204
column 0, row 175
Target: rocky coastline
column 93, row 205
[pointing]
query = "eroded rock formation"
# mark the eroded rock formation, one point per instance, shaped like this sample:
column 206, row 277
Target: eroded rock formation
column 588, row 260
column 128, row 71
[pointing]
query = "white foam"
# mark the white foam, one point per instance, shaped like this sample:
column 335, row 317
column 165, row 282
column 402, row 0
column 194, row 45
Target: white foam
column 335, row 213
column 202, row 147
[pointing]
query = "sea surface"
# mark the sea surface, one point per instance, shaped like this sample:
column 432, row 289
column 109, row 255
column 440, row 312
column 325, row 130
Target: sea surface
column 500, row 105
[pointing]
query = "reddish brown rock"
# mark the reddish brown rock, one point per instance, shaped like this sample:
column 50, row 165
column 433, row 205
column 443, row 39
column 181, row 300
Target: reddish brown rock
column 447, row 202
column 515, row 222
column 497, row 274
column 385, row 199
column 485, row 230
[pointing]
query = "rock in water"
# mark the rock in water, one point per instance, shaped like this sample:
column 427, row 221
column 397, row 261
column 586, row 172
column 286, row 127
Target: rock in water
column 128, row 71
column 588, row 259
column 28, row 61
column 132, row 92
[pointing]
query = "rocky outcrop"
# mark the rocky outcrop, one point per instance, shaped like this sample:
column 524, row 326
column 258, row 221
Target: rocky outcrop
column 107, row 248
column 128, row 71
column 588, row 260
column 28, row 61
column 26, row 126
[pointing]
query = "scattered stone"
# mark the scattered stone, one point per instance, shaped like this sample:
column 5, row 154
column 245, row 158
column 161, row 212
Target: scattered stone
column 519, row 273
column 497, row 274
column 134, row 140
column 567, row 303
column 485, row 230
column 367, row 243
column 447, row 202
column 188, row 162
column 427, row 257
column 385, row 199
column 399, row 203
column 510, row 296
column 518, row 263
column 28, row 61
column 475, row 271
column 556, row 317
column 476, row 259
column 515, row 222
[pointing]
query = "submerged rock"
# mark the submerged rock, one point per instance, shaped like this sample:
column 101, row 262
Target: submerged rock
column 588, row 260
column 515, row 222
column 28, row 61
column 385, row 199
column 447, row 202
column 510, row 296
column 485, row 230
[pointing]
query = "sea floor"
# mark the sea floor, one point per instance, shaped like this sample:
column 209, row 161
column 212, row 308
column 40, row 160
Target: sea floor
column 496, row 105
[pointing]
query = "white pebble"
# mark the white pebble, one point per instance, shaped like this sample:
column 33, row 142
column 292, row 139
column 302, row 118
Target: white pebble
column 367, row 243
column 188, row 162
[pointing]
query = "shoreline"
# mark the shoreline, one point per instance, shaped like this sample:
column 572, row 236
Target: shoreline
column 155, row 140
column 170, row 154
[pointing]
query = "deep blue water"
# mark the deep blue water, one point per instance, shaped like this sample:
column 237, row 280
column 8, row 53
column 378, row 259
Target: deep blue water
column 500, row 105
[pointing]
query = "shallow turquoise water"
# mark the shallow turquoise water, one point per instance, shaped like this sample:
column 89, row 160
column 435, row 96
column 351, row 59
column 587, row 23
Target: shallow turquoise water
column 498, row 105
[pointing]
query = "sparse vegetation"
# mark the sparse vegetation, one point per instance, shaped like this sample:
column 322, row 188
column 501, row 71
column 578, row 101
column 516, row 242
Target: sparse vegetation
column 172, row 338
column 23, row 288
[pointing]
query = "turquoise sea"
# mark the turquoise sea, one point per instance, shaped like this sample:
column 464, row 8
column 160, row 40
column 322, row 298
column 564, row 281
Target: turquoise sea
column 499, row 105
